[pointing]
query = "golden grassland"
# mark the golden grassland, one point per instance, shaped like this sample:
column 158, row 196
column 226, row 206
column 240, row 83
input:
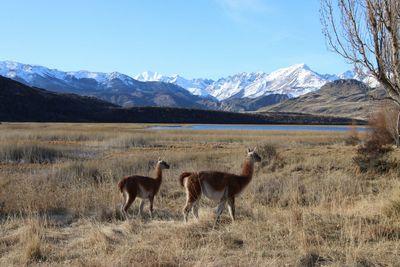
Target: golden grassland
column 306, row 206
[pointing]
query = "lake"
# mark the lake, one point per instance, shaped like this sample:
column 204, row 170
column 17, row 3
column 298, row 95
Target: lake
column 302, row 128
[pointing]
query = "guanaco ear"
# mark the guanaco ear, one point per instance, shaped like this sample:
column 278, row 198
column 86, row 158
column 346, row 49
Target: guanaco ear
column 159, row 158
column 255, row 148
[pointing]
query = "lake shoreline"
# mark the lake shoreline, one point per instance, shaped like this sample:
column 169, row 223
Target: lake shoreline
column 270, row 127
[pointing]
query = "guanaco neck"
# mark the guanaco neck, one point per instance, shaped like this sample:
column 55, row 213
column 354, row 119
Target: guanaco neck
column 247, row 171
column 158, row 172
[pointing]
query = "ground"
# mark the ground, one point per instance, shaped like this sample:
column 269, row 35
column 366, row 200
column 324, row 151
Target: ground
column 305, row 206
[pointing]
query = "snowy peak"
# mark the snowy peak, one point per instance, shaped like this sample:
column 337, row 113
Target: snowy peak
column 149, row 76
column 234, row 85
column 293, row 68
column 293, row 81
column 359, row 75
column 290, row 71
column 194, row 86
column 11, row 69
column 353, row 74
column 28, row 73
column 347, row 75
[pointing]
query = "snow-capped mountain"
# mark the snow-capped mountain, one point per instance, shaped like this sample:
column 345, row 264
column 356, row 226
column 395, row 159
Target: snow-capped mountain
column 28, row 73
column 151, row 76
column 361, row 76
column 194, row 86
column 234, row 85
column 293, row 81
column 113, row 87
column 122, row 89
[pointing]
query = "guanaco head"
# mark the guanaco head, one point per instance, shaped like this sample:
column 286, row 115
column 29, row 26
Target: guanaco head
column 252, row 155
column 162, row 164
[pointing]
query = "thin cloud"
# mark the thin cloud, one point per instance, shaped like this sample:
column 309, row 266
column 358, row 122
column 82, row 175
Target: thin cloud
column 243, row 11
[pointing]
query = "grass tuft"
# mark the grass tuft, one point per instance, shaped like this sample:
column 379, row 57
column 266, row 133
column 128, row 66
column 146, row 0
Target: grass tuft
column 28, row 153
column 32, row 241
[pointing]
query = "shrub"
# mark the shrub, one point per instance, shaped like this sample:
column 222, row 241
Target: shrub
column 386, row 117
column 373, row 156
column 267, row 152
column 270, row 157
column 352, row 140
column 383, row 124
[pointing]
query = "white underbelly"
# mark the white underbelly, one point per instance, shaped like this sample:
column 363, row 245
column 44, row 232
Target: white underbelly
column 211, row 193
column 143, row 193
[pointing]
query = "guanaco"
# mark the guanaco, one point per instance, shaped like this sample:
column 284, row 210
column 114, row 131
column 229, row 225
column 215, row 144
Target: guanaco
column 142, row 187
column 218, row 186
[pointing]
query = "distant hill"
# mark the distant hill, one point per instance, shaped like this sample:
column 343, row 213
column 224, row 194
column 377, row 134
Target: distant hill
column 251, row 104
column 156, row 94
column 19, row 102
column 22, row 103
column 345, row 98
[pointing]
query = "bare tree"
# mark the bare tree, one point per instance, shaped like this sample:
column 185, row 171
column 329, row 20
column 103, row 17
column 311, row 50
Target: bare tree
column 367, row 34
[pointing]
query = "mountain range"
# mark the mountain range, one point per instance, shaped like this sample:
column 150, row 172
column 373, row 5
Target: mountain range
column 22, row 103
column 114, row 87
column 239, row 92
column 292, row 81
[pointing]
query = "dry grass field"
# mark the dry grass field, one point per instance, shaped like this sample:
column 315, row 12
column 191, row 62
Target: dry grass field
column 306, row 205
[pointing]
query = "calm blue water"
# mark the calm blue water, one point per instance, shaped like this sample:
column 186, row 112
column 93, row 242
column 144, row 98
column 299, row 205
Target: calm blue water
column 312, row 128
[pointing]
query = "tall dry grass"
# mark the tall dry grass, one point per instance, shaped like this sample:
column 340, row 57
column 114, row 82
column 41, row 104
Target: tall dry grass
column 305, row 205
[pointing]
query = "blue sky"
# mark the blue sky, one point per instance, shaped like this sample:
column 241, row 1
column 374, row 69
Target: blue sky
column 195, row 38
